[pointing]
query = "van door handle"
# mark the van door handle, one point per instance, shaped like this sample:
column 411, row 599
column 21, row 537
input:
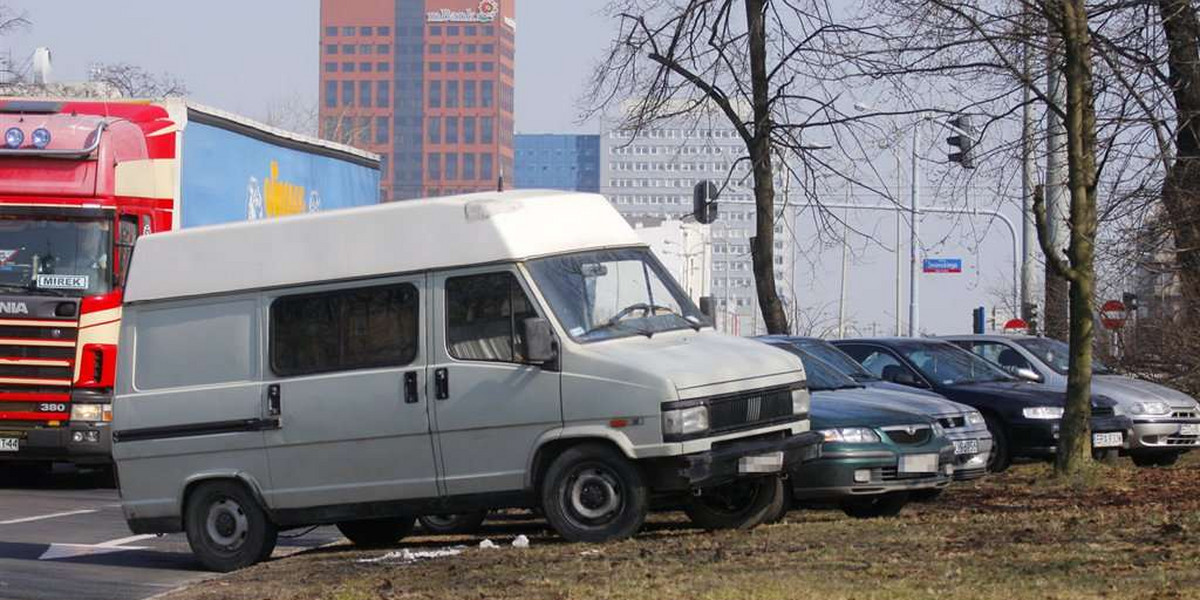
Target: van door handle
column 410, row 388
column 441, row 383
column 274, row 400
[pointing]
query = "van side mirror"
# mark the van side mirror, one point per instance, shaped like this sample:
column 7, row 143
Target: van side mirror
column 539, row 341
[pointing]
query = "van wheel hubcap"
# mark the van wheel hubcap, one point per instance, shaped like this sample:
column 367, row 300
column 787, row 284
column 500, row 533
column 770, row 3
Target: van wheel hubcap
column 594, row 493
column 227, row 524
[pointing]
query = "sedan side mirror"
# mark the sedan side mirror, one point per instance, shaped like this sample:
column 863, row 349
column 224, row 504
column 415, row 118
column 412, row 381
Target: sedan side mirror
column 1029, row 375
column 539, row 341
column 906, row 378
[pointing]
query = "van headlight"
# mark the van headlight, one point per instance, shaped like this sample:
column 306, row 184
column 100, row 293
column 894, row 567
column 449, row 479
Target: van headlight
column 975, row 418
column 1154, row 408
column 1043, row 412
column 800, row 401
column 851, row 435
column 95, row 413
column 685, row 421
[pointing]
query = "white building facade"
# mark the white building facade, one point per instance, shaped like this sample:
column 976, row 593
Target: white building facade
column 652, row 176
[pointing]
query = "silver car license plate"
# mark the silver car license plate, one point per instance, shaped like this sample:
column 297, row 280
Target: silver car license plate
column 966, row 446
column 1189, row 429
column 919, row 463
column 1107, row 440
column 9, row 445
column 763, row 463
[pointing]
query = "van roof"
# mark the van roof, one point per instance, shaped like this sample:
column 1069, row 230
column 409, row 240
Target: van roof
column 398, row 237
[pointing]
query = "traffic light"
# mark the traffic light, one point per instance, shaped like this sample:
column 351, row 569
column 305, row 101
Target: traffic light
column 979, row 320
column 1130, row 300
column 1032, row 316
column 962, row 143
column 704, row 202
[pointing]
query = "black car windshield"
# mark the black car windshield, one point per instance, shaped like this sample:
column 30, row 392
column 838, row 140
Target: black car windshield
column 948, row 364
column 1057, row 355
column 608, row 294
column 837, row 359
column 55, row 255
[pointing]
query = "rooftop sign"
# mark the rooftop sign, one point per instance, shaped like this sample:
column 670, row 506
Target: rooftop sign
column 486, row 13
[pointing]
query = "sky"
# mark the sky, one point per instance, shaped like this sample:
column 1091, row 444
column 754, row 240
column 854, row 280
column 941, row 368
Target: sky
column 245, row 56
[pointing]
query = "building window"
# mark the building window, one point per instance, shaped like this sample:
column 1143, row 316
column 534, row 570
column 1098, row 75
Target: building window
column 488, row 48
column 452, row 94
column 472, row 49
column 487, row 67
column 347, row 93
column 468, row 127
column 470, row 30
column 451, row 67
column 451, row 166
column 364, row 94
column 383, row 67
column 468, row 67
column 331, row 49
column 485, row 166
column 348, row 31
column 489, row 30
column 453, row 48
column 383, row 30
column 382, row 130
column 435, row 48
column 383, row 49
column 435, row 67
column 344, row 330
column 468, row 94
column 487, row 93
column 330, row 67
column 347, row 67
column 433, row 130
column 452, row 30
column 468, row 166
column 331, row 89
column 383, row 94
column 482, row 316
column 349, row 49
column 451, row 130
column 365, row 48
column 365, row 67
column 364, row 31
column 486, row 128
column 435, row 30
column 435, row 94
column 331, row 31
column 434, row 166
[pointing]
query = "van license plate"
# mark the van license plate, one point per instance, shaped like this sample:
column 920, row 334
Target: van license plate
column 1189, row 429
column 1107, row 440
column 919, row 463
column 966, row 446
column 9, row 445
column 763, row 463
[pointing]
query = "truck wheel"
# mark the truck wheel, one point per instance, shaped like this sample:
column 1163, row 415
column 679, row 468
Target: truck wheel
column 1000, row 459
column 376, row 533
column 928, row 495
column 460, row 523
column 884, row 505
column 742, row 504
column 226, row 527
column 591, row 493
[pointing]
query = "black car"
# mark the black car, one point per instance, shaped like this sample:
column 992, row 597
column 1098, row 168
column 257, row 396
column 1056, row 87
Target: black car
column 1024, row 418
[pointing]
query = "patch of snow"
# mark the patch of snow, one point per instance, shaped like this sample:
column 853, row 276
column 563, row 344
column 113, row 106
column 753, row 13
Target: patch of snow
column 521, row 542
column 487, row 544
column 404, row 555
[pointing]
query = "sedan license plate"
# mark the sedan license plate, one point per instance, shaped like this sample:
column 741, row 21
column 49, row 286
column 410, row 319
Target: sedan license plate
column 919, row 463
column 966, row 446
column 9, row 445
column 763, row 463
column 1189, row 429
column 1107, row 440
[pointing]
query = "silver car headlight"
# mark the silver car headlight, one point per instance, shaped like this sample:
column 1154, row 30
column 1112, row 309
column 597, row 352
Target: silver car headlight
column 800, row 401
column 685, row 421
column 975, row 418
column 95, row 413
column 1043, row 412
column 1154, row 408
column 851, row 435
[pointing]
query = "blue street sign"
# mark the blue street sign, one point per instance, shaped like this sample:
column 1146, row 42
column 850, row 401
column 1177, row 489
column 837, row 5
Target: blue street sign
column 943, row 265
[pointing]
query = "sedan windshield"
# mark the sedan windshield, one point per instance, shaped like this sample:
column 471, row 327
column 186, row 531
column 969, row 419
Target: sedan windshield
column 821, row 375
column 950, row 365
column 838, row 360
column 52, row 255
column 1057, row 355
column 608, row 294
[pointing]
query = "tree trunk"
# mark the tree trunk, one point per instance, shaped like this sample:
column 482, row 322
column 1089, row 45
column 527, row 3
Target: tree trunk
column 1075, row 444
column 762, row 246
column 1181, row 188
column 1056, row 313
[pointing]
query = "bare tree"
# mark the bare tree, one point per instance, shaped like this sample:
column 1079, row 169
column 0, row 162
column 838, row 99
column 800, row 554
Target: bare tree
column 10, row 22
column 132, row 81
column 295, row 113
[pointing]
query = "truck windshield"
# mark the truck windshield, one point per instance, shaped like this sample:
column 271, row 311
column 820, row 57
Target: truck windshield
column 608, row 294
column 55, row 255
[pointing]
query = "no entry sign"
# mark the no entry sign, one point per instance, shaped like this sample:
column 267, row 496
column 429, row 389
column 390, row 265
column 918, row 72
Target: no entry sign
column 1112, row 314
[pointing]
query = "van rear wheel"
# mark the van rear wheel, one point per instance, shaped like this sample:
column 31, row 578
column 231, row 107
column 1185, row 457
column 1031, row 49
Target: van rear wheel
column 742, row 504
column 591, row 493
column 226, row 527
column 376, row 533
column 459, row 523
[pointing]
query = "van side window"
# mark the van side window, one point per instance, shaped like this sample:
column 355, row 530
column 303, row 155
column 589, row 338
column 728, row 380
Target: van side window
column 483, row 317
column 343, row 330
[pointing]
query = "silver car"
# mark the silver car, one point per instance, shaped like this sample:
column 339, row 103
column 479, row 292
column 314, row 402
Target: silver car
column 1166, row 422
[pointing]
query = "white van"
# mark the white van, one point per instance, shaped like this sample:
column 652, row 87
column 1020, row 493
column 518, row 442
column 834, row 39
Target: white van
column 364, row 366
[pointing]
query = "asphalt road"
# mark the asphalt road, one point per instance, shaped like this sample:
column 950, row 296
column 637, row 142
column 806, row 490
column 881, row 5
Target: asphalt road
column 62, row 536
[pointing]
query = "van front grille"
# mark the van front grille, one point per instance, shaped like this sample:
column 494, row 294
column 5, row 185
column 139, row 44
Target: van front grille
column 746, row 410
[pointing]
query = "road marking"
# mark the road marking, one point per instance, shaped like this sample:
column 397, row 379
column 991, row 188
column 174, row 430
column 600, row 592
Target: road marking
column 50, row 516
column 128, row 540
column 59, row 551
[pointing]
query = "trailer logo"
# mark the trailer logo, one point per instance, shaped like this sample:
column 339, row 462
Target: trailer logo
column 277, row 198
column 14, row 308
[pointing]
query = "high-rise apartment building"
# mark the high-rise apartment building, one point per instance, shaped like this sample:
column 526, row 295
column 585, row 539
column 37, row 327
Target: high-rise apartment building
column 427, row 84
column 653, row 175
column 558, row 162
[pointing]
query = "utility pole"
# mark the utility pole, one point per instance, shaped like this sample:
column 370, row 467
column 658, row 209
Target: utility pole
column 1057, row 201
column 842, row 296
column 913, row 233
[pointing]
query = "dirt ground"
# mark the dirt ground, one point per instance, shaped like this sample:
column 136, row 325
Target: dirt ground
column 1133, row 533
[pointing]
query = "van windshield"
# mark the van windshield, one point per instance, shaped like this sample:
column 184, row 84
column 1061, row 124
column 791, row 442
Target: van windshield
column 608, row 294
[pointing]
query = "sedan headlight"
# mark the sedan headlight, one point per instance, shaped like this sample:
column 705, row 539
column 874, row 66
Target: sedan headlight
column 800, row 401
column 1043, row 412
column 851, row 435
column 91, row 412
column 975, row 418
column 1154, row 408
column 685, row 421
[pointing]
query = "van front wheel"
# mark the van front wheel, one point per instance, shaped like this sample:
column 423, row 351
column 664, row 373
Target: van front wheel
column 226, row 527
column 591, row 493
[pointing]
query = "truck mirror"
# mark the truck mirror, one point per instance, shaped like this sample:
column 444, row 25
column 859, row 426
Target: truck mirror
column 539, row 341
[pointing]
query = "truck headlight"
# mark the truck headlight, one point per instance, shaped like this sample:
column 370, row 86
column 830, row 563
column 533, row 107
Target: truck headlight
column 975, row 418
column 91, row 412
column 851, row 435
column 1153, row 407
column 685, row 421
column 1043, row 412
column 800, row 401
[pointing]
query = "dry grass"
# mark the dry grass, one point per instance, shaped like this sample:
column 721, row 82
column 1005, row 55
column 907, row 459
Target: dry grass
column 1134, row 533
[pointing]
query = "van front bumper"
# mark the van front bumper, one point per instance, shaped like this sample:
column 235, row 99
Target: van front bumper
column 723, row 463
